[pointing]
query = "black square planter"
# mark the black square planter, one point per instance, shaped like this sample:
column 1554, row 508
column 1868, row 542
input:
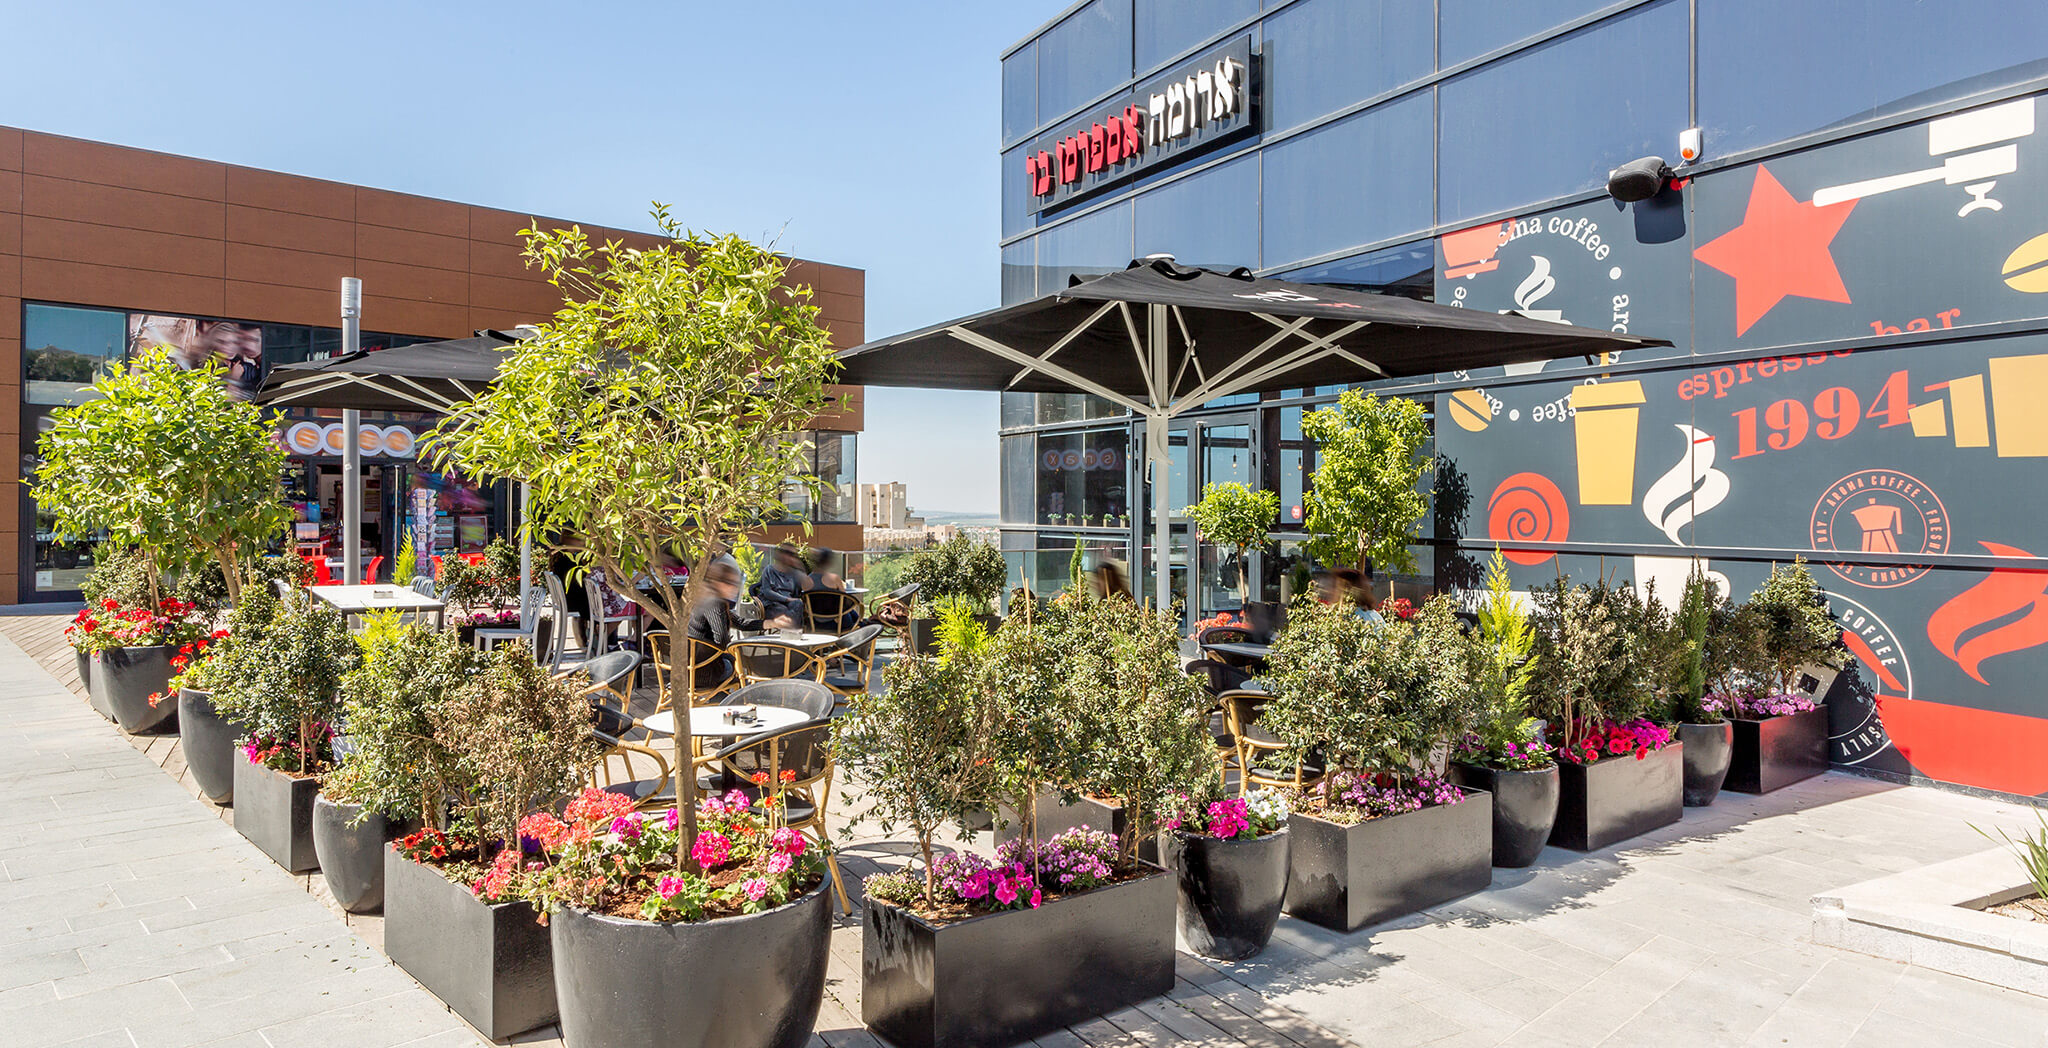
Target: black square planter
column 490, row 963
column 1618, row 797
column 1007, row 977
column 275, row 811
column 1778, row 751
column 1345, row 877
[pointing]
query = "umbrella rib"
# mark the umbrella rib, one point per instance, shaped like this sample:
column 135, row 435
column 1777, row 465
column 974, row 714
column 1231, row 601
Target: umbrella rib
column 1316, row 349
column 1362, row 362
column 318, row 383
column 1144, row 361
column 1190, row 358
column 1064, row 340
column 1015, row 356
column 434, row 403
column 445, row 405
column 1286, row 330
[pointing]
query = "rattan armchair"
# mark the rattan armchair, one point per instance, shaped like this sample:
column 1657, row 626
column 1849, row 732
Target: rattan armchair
column 768, row 659
column 830, row 610
column 805, row 752
column 1262, row 759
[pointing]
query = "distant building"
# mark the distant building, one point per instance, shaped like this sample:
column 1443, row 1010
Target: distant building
column 884, row 506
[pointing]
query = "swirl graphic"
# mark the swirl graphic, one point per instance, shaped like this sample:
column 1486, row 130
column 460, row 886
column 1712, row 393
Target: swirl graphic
column 2003, row 593
column 1688, row 489
column 1538, row 284
column 1528, row 507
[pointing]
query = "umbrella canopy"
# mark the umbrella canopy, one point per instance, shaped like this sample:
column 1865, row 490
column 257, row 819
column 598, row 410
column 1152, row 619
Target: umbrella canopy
column 1162, row 339
column 425, row 376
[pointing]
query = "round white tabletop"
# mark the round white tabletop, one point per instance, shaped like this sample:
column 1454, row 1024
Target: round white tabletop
column 805, row 640
column 709, row 721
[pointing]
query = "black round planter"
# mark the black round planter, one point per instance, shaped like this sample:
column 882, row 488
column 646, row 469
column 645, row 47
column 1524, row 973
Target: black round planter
column 737, row 982
column 1708, row 748
column 209, row 741
column 351, row 853
column 84, row 668
column 1524, row 809
column 129, row 677
column 1230, row 891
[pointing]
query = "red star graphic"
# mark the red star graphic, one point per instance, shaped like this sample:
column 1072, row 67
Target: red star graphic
column 1780, row 249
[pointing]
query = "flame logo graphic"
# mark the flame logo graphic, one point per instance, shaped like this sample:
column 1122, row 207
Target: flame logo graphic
column 1528, row 507
column 2001, row 594
column 1688, row 489
column 1538, row 284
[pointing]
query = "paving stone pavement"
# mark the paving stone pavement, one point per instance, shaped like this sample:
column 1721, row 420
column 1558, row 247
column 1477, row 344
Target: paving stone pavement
column 131, row 914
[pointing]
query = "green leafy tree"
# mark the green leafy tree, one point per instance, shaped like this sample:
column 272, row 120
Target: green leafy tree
column 164, row 460
column 1591, row 658
column 654, row 413
column 278, row 673
column 958, row 567
column 1734, row 649
column 1796, row 627
column 400, row 763
column 1367, row 496
column 1504, row 662
column 1237, row 518
column 1040, row 747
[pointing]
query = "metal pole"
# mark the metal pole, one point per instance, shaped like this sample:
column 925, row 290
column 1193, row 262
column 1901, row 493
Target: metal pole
column 526, row 612
column 1162, row 464
column 351, row 444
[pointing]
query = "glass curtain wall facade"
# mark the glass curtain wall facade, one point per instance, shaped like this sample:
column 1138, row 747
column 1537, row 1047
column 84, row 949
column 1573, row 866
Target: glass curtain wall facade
column 1849, row 275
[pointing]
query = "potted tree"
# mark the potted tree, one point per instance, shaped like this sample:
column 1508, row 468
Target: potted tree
column 653, row 414
column 279, row 674
column 393, row 771
column 1236, row 518
column 476, row 756
column 1781, row 726
column 1229, row 857
column 1368, row 493
column 484, row 594
column 1380, row 835
column 958, row 569
column 1687, row 658
column 1504, row 753
column 1619, row 775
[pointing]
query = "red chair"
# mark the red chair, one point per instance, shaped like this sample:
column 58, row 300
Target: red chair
column 473, row 558
column 370, row 573
column 321, row 576
column 436, row 558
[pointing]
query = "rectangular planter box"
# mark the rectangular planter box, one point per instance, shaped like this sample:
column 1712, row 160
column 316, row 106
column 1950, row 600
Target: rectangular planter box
column 1002, row 978
column 275, row 811
column 488, row 962
column 1346, row 877
column 1618, row 798
column 1778, row 751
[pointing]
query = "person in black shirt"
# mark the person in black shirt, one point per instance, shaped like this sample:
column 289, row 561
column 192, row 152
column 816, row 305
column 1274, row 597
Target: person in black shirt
column 712, row 621
column 782, row 588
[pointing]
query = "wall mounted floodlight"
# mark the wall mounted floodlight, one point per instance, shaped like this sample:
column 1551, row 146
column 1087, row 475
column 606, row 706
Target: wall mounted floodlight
column 1638, row 179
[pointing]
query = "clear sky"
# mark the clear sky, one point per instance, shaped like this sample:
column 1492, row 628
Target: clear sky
column 862, row 134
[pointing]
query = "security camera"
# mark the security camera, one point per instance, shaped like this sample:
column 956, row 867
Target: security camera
column 1638, row 179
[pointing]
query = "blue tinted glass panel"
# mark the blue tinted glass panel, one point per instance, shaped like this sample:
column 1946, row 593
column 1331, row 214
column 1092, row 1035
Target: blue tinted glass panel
column 1471, row 28
column 1555, row 119
column 1016, row 184
column 1406, row 270
column 1020, row 92
column 1323, row 55
column 1091, row 246
column 1019, row 271
column 1828, row 62
column 1210, row 219
column 62, row 349
column 1018, row 459
column 1364, row 178
column 1165, row 28
column 1083, row 56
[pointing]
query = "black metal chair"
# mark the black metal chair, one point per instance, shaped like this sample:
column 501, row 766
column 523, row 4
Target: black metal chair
column 805, row 751
column 849, row 663
column 1226, row 635
column 607, row 681
column 811, row 698
column 830, row 610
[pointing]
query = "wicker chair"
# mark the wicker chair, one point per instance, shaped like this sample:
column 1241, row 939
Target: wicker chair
column 905, row 599
column 1262, row 760
column 850, row 662
column 633, row 769
column 830, row 610
column 764, row 659
column 1226, row 635
column 1219, row 678
column 607, row 681
column 805, row 751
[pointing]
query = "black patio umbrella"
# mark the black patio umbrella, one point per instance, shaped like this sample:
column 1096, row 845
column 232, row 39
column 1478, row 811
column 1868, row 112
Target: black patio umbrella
column 1161, row 339
column 424, row 376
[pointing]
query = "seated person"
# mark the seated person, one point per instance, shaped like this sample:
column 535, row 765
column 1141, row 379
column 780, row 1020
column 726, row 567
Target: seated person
column 1355, row 589
column 782, row 587
column 712, row 621
column 825, row 576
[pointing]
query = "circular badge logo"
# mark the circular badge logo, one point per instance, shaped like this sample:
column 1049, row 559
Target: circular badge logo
column 1856, row 729
column 1880, row 511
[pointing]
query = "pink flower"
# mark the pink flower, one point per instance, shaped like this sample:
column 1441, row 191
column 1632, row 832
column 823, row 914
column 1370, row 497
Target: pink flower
column 1006, row 893
column 673, row 819
column 780, row 862
column 1035, row 897
column 789, row 842
column 627, row 826
column 712, row 849
column 755, row 887
column 668, row 886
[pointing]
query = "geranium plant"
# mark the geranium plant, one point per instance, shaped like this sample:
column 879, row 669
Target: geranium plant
column 110, row 624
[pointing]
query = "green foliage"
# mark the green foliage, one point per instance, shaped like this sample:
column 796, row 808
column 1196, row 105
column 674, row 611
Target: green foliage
column 1734, row 650
column 1504, row 662
column 2031, row 850
column 752, row 562
column 400, row 764
column 490, row 583
column 521, row 740
column 1235, row 517
column 119, row 573
column 265, row 571
column 1591, row 657
column 1077, row 569
column 407, row 567
column 958, row 632
column 1374, row 697
column 278, row 672
column 1688, row 677
column 165, row 461
column 958, row 567
column 923, row 748
column 883, row 572
column 1797, row 629
column 1367, row 498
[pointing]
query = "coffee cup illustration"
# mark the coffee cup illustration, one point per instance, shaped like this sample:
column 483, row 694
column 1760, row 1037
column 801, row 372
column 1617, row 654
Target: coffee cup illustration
column 1604, row 420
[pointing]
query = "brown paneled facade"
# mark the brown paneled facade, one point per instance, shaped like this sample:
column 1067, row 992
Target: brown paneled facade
column 94, row 225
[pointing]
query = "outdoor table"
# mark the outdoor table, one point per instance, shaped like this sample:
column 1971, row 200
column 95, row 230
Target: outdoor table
column 352, row 601
column 709, row 721
column 1242, row 649
column 808, row 641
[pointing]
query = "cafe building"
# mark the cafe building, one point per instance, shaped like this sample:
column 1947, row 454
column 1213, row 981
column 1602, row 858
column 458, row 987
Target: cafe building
column 106, row 251
column 1839, row 220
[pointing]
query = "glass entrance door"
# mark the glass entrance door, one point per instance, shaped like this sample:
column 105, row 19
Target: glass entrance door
column 1224, row 453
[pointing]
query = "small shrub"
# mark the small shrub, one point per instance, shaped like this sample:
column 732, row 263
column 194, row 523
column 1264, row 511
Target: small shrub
column 959, row 567
column 521, row 740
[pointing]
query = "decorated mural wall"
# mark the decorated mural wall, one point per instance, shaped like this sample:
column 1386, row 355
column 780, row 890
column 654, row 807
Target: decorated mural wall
column 1859, row 374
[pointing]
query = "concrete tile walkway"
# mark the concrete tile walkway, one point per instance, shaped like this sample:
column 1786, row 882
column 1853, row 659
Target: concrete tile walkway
column 131, row 915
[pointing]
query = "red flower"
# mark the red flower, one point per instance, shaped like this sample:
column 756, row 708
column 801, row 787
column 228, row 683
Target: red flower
column 788, row 775
column 760, row 778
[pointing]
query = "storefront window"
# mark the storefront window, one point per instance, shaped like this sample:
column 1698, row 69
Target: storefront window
column 1826, row 62
column 1323, row 55
column 1086, row 247
column 1335, row 187
column 57, row 567
column 1017, row 476
column 1470, row 28
column 63, row 348
column 1075, row 407
column 836, row 460
column 1602, row 96
column 1165, row 28
column 1081, row 478
column 1405, row 270
column 1206, row 220
column 1020, row 92
column 1016, row 186
column 1084, row 56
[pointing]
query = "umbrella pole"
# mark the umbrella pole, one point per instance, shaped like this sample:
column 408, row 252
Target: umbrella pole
column 526, row 612
column 352, row 448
